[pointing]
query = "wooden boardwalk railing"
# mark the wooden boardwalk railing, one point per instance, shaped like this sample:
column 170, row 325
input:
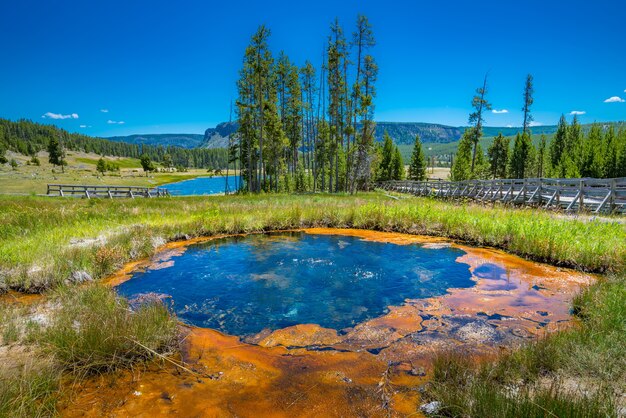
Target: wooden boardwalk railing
column 110, row 192
column 595, row 195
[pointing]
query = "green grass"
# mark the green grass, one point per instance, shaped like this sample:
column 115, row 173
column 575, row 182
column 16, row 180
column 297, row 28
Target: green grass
column 40, row 237
column 29, row 389
column 96, row 331
column 121, row 162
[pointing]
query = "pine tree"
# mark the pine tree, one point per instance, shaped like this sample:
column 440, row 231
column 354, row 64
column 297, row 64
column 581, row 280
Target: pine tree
column 146, row 163
column 480, row 104
column 573, row 150
column 593, row 153
column 385, row 167
column 542, row 156
column 621, row 161
column 363, row 169
column 417, row 168
column 611, row 154
column 397, row 165
column 101, row 167
column 521, row 158
column 462, row 165
column 56, row 153
column 558, row 148
column 498, row 153
column 362, row 40
column 3, row 158
column 528, row 102
column 167, row 161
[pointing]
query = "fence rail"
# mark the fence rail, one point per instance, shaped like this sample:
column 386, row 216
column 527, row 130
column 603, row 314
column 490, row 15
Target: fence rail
column 572, row 195
column 110, row 192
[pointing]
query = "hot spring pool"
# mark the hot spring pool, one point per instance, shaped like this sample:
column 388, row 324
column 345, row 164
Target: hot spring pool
column 243, row 285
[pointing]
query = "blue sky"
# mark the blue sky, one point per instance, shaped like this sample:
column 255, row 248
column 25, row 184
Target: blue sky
column 164, row 66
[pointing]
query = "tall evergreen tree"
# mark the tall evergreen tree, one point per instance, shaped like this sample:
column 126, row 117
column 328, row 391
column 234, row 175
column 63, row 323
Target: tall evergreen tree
column 476, row 118
column 385, row 168
column 56, row 153
column 558, row 148
column 146, row 163
column 362, row 41
column 498, row 153
column 397, row 165
column 621, row 161
column 542, row 156
column 573, row 160
column 363, row 169
column 611, row 154
column 462, row 164
column 593, row 153
column 528, row 102
column 521, row 159
column 417, row 168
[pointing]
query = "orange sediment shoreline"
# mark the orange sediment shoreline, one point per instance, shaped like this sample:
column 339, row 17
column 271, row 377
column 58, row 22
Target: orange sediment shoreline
column 307, row 370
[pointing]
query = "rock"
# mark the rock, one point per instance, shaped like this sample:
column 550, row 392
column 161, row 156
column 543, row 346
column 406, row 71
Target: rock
column 181, row 237
column 431, row 407
column 417, row 371
column 478, row 332
column 79, row 277
column 148, row 298
column 40, row 318
column 158, row 242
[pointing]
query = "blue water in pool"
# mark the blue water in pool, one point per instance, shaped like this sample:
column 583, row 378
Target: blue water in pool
column 243, row 285
column 201, row 186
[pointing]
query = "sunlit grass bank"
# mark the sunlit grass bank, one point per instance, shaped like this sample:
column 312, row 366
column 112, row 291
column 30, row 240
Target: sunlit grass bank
column 44, row 240
column 81, row 331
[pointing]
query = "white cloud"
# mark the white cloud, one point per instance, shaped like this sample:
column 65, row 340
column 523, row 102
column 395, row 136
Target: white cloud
column 499, row 111
column 50, row 115
column 614, row 99
column 577, row 112
column 115, row 122
column 536, row 124
column 85, row 126
column 509, row 126
column 104, row 110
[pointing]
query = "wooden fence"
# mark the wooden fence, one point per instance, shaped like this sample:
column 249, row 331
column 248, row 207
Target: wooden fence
column 572, row 195
column 105, row 191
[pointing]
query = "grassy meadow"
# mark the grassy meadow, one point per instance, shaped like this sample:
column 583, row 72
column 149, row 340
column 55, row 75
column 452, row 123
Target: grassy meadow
column 45, row 242
column 81, row 169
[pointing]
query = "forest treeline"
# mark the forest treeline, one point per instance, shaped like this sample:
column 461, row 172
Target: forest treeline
column 307, row 128
column 28, row 138
column 599, row 153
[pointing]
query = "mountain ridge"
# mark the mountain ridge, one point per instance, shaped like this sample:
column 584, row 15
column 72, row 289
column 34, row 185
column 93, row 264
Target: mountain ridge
column 402, row 133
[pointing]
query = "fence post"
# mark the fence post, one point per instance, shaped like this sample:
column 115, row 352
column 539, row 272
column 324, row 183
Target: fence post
column 581, row 195
column 612, row 197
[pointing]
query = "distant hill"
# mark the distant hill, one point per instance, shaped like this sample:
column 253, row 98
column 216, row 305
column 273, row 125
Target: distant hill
column 402, row 133
column 175, row 140
column 441, row 139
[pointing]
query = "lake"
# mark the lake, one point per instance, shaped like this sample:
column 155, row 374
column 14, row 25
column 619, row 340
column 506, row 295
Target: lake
column 201, row 186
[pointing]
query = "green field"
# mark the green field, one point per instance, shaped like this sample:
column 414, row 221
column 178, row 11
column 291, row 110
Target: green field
column 81, row 169
column 120, row 162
